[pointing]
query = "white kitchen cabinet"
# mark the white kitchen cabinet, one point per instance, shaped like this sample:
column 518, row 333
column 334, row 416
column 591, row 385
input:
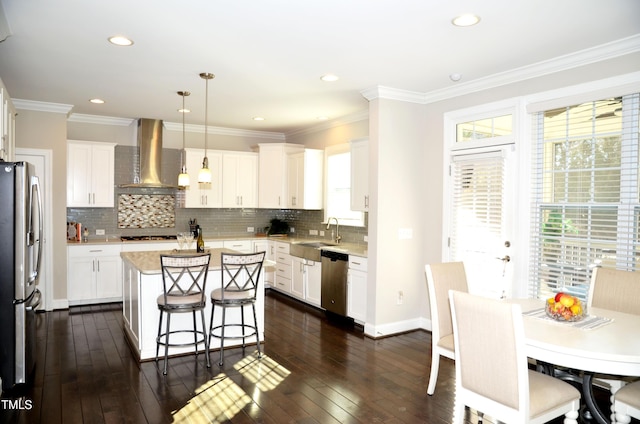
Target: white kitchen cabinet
column 7, row 126
column 357, row 289
column 242, row 246
column 203, row 195
column 239, row 180
column 360, row 175
column 90, row 174
column 283, row 267
column 305, row 280
column 272, row 174
column 304, row 176
column 94, row 274
column 267, row 247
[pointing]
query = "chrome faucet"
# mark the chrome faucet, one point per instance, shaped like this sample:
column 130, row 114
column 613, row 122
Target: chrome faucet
column 338, row 237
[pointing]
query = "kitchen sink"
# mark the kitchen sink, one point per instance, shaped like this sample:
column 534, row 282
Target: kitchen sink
column 309, row 250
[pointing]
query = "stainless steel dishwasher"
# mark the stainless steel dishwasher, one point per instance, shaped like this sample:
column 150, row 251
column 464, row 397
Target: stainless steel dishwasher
column 334, row 281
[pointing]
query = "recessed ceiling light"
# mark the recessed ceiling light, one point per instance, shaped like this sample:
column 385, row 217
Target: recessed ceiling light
column 329, row 78
column 465, row 20
column 258, row 118
column 97, row 101
column 455, row 76
column 120, row 40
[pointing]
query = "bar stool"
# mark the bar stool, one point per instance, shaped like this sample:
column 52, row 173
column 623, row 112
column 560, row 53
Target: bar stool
column 239, row 286
column 184, row 278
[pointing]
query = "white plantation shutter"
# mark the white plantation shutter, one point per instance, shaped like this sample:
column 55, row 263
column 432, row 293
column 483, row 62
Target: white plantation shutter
column 477, row 205
column 585, row 206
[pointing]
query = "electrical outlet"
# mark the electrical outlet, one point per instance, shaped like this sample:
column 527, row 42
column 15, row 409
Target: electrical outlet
column 292, row 230
column 321, row 233
column 366, row 238
column 99, row 232
column 250, row 229
column 400, row 297
column 313, row 232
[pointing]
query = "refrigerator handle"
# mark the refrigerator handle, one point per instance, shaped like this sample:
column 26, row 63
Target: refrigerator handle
column 35, row 191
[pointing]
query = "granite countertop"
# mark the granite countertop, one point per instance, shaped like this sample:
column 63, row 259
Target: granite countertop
column 148, row 262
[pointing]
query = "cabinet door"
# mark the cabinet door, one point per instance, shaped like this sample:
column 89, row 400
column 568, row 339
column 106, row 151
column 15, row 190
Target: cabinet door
column 239, row 180
column 313, row 286
column 81, row 278
column 79, row 174
column 271, row 175
column 297, row 277
column 295, row 180
column 102, row 176
column 108, row 277
column 357, row 295
column 203, row 195
column 360, row 175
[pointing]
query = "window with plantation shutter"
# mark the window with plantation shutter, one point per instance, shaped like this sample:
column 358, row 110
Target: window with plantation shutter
column 477, row 204
column 585, row 207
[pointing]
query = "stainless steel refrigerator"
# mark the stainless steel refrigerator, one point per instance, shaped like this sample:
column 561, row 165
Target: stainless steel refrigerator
column 21, row 240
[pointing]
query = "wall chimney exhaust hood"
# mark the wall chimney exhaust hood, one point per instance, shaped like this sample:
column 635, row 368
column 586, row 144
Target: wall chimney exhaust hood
column 150, row 144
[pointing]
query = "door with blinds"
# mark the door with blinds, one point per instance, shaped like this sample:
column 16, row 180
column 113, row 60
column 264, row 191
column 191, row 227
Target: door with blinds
column 479, row 233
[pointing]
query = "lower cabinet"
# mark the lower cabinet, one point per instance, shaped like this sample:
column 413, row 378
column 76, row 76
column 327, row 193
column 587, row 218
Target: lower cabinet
column 306, row 280
column 94, row 274
column 267, row 247
column 357, row 289
column 283, row 267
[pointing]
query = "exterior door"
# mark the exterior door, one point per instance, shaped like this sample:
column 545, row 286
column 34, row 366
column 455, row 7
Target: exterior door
column 481, row 204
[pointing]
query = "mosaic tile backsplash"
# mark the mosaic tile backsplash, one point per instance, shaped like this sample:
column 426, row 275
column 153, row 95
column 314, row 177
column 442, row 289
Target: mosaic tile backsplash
column 146, row 211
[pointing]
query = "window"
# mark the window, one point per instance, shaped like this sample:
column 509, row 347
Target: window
column 338, row 187
column 484, row 128
column 585, row 208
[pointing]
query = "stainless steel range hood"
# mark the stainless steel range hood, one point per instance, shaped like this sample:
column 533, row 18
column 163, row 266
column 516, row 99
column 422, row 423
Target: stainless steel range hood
column 150, row 144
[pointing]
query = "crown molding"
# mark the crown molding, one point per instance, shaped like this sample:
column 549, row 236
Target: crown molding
column 42, row 106
column 100, row 120
column 573, row 60
column 193, row 128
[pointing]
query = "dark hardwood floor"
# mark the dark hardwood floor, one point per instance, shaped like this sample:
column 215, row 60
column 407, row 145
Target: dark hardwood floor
column 314, row 371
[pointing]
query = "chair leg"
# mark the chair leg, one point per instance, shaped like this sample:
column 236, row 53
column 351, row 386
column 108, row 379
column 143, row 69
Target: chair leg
column 433, row 375
column 158, row 338
column 243, row 326
column 195, row 333
column 224, row 312
column 255, row 322
column 206, row 338
column 166, row 345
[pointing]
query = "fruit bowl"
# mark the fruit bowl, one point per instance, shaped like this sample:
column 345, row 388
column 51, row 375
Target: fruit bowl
column 565, row 308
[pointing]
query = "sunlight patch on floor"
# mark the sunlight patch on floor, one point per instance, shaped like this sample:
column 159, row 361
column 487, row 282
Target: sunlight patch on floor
column 220, row 399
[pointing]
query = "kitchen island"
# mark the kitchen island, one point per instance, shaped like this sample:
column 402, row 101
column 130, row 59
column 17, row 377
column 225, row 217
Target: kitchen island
column 142, row 284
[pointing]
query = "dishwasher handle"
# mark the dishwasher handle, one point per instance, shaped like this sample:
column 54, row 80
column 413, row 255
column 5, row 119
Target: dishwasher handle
column 334, row 256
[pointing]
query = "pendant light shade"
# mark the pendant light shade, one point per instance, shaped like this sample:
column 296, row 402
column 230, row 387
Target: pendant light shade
column 183, row 177
column 204, row 175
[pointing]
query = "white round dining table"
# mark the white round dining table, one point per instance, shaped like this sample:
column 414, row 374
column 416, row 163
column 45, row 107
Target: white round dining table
column 611, row 348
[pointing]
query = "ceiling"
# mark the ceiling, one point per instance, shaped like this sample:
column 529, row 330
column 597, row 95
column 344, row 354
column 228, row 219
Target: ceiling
column 268, row 55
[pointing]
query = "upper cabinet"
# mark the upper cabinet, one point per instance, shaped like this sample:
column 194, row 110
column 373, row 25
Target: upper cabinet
column 272, row 174
column 7, row 126
column 90, row 174
column 239, row 180
column 203, row 195
column 360, row 175
column 304, row 176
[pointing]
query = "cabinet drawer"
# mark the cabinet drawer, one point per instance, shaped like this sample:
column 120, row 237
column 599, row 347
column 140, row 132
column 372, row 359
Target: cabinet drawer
column 281, row 247
column 94, row 250
column 243, row 246
column 283, row 271
column 358, row 263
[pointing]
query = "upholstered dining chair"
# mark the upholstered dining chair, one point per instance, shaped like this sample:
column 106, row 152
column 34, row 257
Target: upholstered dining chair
column 615, row 290
column 239, row 288
column 184, row 279
column 626, row 403
column 442, row 277
column 492, row 373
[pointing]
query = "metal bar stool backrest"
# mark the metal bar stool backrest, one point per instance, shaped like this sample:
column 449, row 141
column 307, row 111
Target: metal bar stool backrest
column 184, row 279
column 240, row 277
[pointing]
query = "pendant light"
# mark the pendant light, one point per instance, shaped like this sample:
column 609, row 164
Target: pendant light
column 204, row 175
column 183, row 178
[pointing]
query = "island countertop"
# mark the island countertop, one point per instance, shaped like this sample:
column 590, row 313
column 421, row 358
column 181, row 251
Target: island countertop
column 148, row 262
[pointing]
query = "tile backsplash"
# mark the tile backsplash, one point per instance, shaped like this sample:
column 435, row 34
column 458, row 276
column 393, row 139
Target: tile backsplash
column 146, row 211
